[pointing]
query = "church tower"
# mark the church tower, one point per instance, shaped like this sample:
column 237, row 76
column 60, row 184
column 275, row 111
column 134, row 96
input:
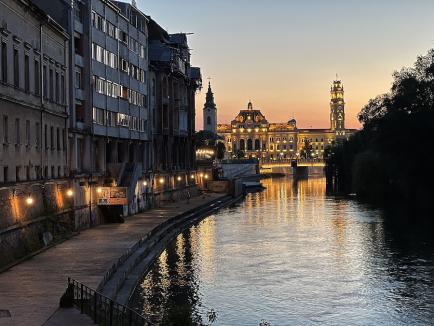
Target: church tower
column 210, row 112
column 337, row 108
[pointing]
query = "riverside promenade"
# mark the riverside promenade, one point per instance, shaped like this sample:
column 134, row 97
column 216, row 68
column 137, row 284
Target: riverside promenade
column 31, row 290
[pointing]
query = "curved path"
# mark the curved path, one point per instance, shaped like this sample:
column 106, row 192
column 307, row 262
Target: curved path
column 31, row 290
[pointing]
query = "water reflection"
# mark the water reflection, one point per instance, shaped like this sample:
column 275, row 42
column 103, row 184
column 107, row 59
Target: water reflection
column 293, row 255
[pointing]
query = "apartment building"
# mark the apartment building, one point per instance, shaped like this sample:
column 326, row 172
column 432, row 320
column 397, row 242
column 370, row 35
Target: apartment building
column 34, row 78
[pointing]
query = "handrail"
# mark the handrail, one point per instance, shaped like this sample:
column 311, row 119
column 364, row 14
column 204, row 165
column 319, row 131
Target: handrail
column 103, row 310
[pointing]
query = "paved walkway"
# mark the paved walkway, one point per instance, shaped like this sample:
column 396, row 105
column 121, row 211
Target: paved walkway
column 32, row 289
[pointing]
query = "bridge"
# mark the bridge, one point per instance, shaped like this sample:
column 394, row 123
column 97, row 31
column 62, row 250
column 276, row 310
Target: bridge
column 302, row 167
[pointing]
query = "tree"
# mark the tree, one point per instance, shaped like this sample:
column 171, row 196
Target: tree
column 221, row 149
column 240, row 154
column 389, row 158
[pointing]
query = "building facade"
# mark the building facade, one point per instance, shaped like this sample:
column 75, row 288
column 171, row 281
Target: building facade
column 173, row 84
column 33, row 94
column 251, row 135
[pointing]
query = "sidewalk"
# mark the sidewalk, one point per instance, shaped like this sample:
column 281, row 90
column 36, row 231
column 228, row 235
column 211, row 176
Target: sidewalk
column 32, row 289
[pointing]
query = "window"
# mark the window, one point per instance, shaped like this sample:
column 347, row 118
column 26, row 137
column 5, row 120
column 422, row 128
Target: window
column 37, row 78
column 37, row 134
column 57, row 88
column 17, row 131
column 123, row 120
column 16, row 69
column 46, row 136
column 62, row 89
column 38, row 172
column 98, row 116
column 26, row 73
column 52, row 137
column 208, row 120
column 27, row 132
column 63, row 139
column 124, row 65
column 51, row 85
column 142, row 51
column 58, row 139
column 27, row 172
column 111, row 119
column 5, row 129
column 78, row 74
column 45, row 81
column 17, row 173
column 4, row 64
column 5, row 174
column 77, row 12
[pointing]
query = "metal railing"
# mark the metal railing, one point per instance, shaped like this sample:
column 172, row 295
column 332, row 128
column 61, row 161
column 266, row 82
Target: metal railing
column 103, row 310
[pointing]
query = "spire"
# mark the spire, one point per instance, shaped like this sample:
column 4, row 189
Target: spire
column 250, row 105
column 210, row 98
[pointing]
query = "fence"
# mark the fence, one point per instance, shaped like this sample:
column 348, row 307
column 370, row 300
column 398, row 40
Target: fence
column 103, row 310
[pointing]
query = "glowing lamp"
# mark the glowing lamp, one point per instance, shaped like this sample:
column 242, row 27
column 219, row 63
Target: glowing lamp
column 70, row 193
column 178, row 178
column 192, row 176
column 29, row 200
column 99, row 190
column 145, row 183
column 201, row 175
column 161, row 180
column 206, row 176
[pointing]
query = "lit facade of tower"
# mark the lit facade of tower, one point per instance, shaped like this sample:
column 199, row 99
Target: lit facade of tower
column 337, row 108
column 210, row 112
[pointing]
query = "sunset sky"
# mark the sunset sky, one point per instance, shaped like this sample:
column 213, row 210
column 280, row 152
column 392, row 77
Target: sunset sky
column 283, row 54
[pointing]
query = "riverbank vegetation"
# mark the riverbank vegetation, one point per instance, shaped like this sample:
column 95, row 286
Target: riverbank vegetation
column 391, row 158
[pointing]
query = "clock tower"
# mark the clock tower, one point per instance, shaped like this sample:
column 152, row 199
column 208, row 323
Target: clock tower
column 337, row 108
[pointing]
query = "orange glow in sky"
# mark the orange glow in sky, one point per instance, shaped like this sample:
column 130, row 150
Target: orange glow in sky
column 284, row 54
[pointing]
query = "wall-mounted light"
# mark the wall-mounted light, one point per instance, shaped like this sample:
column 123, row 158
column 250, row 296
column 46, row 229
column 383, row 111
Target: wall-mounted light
column 179, row 178
column 206, row 176
column 201, row 175
column 29, row 200
column 192, row 176
column 161, row 180
column 70, row 193
column 145, row 183
column 99, row 190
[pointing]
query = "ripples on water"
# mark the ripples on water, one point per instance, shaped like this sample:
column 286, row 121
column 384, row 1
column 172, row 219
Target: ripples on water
column 292, row 255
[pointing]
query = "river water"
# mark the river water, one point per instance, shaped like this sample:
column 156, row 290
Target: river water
column 293, row 255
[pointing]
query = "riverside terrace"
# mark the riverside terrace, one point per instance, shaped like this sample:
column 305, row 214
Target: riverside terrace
column 30, row 291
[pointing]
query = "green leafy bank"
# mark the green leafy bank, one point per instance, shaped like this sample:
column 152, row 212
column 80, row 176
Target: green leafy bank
column 391, row 160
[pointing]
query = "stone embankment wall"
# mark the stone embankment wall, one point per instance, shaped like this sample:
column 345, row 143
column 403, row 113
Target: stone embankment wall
column 31, row 216
column 35, row 214
column 237, row 170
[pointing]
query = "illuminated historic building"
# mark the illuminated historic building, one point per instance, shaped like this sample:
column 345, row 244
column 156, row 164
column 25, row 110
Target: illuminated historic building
column 251, row 133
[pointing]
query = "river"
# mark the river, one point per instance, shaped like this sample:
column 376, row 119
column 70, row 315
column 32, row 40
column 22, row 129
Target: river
column 293, row 255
